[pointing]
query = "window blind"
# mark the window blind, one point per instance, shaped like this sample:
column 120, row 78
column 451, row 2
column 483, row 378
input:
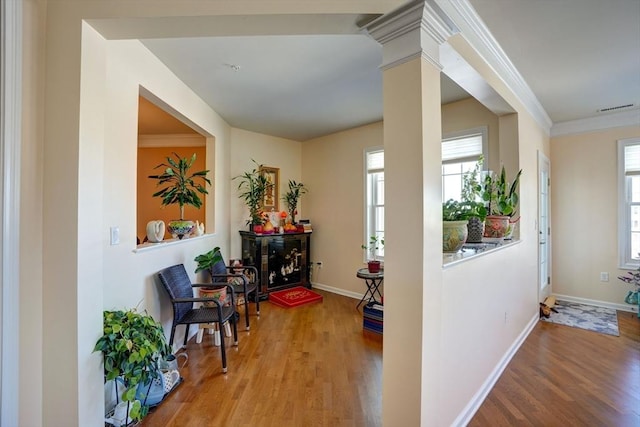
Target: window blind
column 632, row 160
column 375, row 161
column 468, row 147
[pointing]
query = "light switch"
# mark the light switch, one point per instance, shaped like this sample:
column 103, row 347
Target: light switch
column 115, row 236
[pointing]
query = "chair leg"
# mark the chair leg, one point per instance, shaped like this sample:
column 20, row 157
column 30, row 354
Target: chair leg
column 223, row 353
column 258, row 302
column 235, row 331
column 186, row 334
column 173, row 333
column 246, row 310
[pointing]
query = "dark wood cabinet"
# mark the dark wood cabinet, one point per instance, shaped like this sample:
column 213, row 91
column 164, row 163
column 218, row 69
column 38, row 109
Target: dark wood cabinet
column 282, row 260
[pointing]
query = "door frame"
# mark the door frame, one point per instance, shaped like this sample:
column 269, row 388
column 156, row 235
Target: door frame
column 544, row 221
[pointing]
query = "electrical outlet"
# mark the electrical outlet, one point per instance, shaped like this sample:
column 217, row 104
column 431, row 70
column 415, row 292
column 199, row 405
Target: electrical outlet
column 319, row 263
column 505, row 317
column 604, row 276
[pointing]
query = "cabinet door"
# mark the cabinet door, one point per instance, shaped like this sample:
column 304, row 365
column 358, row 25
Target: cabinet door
column 284, row 262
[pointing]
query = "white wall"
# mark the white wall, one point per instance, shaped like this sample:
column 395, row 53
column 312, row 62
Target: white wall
column 584, row 213
column 333, row 169
column 281, row 153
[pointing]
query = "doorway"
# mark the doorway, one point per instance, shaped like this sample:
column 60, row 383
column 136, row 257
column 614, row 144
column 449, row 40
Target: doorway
column 544, row 227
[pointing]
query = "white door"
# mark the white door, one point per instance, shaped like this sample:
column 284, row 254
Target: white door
column 544, row 228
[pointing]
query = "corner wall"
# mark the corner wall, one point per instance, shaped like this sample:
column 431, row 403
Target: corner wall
column 584, row 213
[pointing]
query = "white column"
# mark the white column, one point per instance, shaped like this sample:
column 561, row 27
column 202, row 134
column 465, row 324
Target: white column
column 411, row 37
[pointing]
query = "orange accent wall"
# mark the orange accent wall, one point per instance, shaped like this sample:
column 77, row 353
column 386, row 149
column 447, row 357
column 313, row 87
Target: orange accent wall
column 150, row 208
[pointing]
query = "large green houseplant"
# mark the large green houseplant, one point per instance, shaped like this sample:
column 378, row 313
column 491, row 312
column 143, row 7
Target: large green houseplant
column 252, row 187
column 502, row 201
column 296, row 189
column 181, row 187
column 132, row 344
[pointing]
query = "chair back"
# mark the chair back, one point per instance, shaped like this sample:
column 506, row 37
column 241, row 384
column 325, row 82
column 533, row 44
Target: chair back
column 178, row 285
column 219, row 268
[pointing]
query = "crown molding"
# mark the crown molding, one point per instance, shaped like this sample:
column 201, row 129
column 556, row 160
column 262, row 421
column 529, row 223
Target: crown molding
column 597, row 123
column 415, row 29
column 473, row 29
column 171, row 140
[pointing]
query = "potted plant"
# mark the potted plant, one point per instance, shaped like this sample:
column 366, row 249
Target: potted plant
column 182, row 188
column 454, row 225
column 296, row 189
column 375, row 242
column 132, row 344
column 252, row 187
column 473, row 204
column 502, row 203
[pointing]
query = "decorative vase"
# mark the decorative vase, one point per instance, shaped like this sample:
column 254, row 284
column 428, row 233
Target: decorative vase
column 512, row 226
column 181, row 227
column 496, row 226
column 454, row 235
column 475, row 229
column 257, row 228
column 267, row 228
column 155, row 231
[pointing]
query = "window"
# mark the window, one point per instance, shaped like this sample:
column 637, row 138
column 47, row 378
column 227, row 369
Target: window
column 629, row 202
column 374, row 161
column 460, row 153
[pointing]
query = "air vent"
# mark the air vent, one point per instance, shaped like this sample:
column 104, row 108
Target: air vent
column 619, row 107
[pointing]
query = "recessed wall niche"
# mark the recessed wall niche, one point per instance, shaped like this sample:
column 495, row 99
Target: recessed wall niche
column 160, row 134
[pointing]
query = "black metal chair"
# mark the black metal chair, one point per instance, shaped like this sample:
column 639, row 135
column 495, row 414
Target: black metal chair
column 243, row 283
column 180, row 289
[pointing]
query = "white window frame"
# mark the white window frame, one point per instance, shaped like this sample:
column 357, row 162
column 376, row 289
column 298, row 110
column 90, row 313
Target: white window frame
column 370, row 209
column 483, row 131
column 625, row 259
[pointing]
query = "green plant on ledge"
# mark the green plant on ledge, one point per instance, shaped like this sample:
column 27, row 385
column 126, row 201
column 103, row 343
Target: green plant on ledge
column 181, row 187
column 132, row 344
column 207, row 260
column 472, row 190
column 502, row 198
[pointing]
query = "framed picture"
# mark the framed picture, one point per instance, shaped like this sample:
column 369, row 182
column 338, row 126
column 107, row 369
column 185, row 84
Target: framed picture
column 271, row 197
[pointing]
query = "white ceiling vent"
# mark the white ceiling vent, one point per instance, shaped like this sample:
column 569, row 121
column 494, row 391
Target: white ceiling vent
column 616, row 108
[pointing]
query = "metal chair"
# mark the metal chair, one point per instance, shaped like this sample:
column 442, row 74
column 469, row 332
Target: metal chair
column 242, row 283
column 180, row 289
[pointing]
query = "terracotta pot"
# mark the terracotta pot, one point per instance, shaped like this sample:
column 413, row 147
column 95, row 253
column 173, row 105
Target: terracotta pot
column 496, row 226
column 373, row 266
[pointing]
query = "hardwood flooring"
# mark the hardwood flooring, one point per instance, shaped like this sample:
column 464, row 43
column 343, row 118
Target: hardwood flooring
column 563, row 376
column 306, row 366
column 313, row 366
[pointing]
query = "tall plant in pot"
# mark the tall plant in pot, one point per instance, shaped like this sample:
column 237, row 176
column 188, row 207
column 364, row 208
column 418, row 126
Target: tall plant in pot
column 375, row 243
column 472, row 202
column 252, row 187
column 181, row 187
column 296, row 189
column 502, row 201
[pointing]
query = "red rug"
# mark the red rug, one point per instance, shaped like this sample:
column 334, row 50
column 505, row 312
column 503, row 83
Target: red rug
column 294, row 297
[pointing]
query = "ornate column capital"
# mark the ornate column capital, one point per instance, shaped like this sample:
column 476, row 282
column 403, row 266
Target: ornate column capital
column 414, row 29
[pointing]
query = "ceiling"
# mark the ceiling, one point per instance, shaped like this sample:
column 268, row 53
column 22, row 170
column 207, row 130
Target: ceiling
column 577, row 56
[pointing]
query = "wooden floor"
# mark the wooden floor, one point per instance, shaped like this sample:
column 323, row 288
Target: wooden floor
column 313, row 366
column 563, row 376
column 305, row 366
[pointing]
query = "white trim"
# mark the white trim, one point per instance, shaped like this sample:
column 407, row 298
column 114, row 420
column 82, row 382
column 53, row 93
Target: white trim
column 10, row 142
column 173, row 140
column 465, row 416
column 597, row 303
column 597, row 123
column 337, row 291
column 480, row 38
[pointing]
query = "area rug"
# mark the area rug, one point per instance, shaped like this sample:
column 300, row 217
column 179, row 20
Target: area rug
column 589, row 317
column 294, row 297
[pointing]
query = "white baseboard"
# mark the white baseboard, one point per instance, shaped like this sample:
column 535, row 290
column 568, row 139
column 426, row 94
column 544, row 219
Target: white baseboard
column 338, row 291
column 622, row 307
column 474, row 404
